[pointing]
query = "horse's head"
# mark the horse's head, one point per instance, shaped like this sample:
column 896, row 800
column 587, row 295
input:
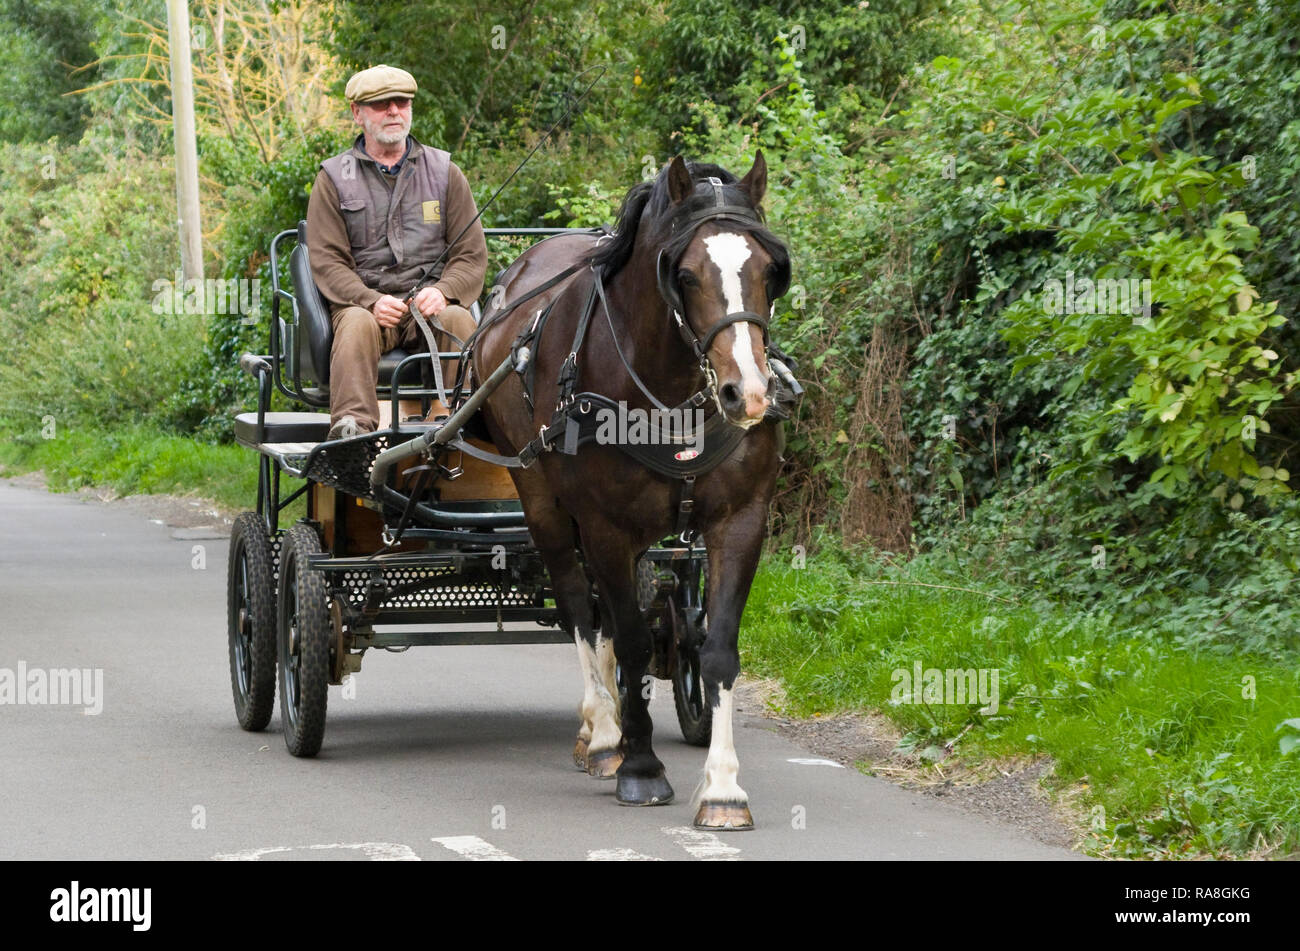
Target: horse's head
column 720, row 272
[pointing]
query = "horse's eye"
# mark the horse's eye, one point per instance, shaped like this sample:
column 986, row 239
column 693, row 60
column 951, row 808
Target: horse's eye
column 685, row 277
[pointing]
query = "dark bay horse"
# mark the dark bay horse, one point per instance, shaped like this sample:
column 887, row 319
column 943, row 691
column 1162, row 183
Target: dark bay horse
column 689, row 277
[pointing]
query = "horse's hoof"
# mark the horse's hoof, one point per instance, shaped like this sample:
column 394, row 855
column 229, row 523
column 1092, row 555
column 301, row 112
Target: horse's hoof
column 643, row 790
column 580, row 754
column 603, row 764
column 733, row 816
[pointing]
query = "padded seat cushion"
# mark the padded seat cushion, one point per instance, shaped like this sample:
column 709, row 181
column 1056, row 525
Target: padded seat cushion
column 282, row 427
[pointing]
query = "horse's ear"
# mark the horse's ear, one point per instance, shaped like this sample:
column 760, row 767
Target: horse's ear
column 679, row 180
column 755, row 181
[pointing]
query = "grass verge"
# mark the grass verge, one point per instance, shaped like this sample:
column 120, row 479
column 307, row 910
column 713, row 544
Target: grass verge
column 138, row 459
column 1170, row 753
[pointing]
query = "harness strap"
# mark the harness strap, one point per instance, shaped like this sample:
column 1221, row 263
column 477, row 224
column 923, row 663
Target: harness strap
column 544, row 441
column 669, row 453
column 529, row 338
column 468, row 348
column 465, row 446
column 685, row 505
column 569, row 369
column 695, row 399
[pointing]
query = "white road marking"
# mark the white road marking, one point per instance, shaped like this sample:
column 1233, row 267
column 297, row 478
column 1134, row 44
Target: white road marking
column 474, row 848
column 375, row 851
column 619, row 855
column 699, row 843
column 801, row 761
column 703, row 845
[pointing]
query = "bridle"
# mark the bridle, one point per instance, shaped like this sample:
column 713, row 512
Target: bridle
column 573, row 408
column 666, row 269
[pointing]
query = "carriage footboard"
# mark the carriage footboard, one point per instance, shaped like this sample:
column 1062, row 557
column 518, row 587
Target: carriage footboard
column 448, row 589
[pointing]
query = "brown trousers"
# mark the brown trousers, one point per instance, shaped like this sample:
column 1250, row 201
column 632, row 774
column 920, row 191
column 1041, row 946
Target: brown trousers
column 359, row 342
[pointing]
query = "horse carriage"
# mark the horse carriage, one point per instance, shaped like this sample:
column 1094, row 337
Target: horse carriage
column 417, row 535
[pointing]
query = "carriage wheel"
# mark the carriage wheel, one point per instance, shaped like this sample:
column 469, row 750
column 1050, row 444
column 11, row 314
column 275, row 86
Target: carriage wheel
column 694, row 715
column 304, row 629
column 251, row 621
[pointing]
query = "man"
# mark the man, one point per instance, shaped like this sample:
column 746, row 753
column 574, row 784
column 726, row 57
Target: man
column 379, row 214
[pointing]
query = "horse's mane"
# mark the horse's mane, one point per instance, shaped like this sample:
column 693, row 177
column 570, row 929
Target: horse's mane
column 650, row 202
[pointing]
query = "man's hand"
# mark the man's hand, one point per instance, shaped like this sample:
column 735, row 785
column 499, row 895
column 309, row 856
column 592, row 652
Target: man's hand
column 430, row 301
column 388, row 310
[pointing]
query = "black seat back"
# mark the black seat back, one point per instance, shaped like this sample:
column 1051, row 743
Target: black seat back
column 314, row 332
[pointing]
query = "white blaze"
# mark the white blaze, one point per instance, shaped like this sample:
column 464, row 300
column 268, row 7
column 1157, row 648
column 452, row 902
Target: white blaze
column 729, row 252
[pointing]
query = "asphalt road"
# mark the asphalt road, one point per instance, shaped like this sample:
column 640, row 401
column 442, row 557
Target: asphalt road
column 444, row 753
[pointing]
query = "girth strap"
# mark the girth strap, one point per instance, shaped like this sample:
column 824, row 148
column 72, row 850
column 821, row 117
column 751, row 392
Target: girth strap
column 685, row 506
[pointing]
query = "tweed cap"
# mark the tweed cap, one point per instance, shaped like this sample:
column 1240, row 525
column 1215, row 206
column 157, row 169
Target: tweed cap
column 380, row 82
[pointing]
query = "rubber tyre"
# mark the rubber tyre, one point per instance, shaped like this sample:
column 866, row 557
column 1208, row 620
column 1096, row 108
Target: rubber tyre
column 694, row 715
column 303, row 624
column 250, row 628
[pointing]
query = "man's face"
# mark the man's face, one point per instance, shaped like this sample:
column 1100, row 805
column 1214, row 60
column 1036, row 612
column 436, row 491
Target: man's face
column 387, row 121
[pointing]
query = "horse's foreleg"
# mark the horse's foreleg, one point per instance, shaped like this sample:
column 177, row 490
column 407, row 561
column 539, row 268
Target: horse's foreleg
column 641, row 779
column 596, row 749
column 599, row 739
column 734, row 548
column 606, row 662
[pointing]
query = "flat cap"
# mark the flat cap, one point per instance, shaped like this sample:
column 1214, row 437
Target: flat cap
column 380, row 82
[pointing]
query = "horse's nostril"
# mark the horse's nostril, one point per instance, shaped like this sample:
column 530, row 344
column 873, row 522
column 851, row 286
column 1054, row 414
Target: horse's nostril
column 730, row 394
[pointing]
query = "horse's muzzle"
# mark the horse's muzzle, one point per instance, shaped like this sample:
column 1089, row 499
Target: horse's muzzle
column 745, row 405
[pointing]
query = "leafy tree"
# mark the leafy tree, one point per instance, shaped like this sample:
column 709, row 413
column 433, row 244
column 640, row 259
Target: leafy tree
column 42, row 43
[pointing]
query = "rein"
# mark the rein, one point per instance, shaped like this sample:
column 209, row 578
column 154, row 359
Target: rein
column 695, row 399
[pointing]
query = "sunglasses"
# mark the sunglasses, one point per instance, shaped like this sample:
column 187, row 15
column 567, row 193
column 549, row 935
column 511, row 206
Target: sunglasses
column 381, row 105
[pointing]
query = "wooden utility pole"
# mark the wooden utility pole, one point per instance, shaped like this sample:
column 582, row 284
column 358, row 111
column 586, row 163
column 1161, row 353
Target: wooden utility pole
column 187, row 158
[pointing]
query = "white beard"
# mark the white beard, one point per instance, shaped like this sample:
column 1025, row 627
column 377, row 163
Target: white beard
column 390, row 138
column 377, row 132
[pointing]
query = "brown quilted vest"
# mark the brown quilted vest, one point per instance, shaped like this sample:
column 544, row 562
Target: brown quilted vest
column 395, row 233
